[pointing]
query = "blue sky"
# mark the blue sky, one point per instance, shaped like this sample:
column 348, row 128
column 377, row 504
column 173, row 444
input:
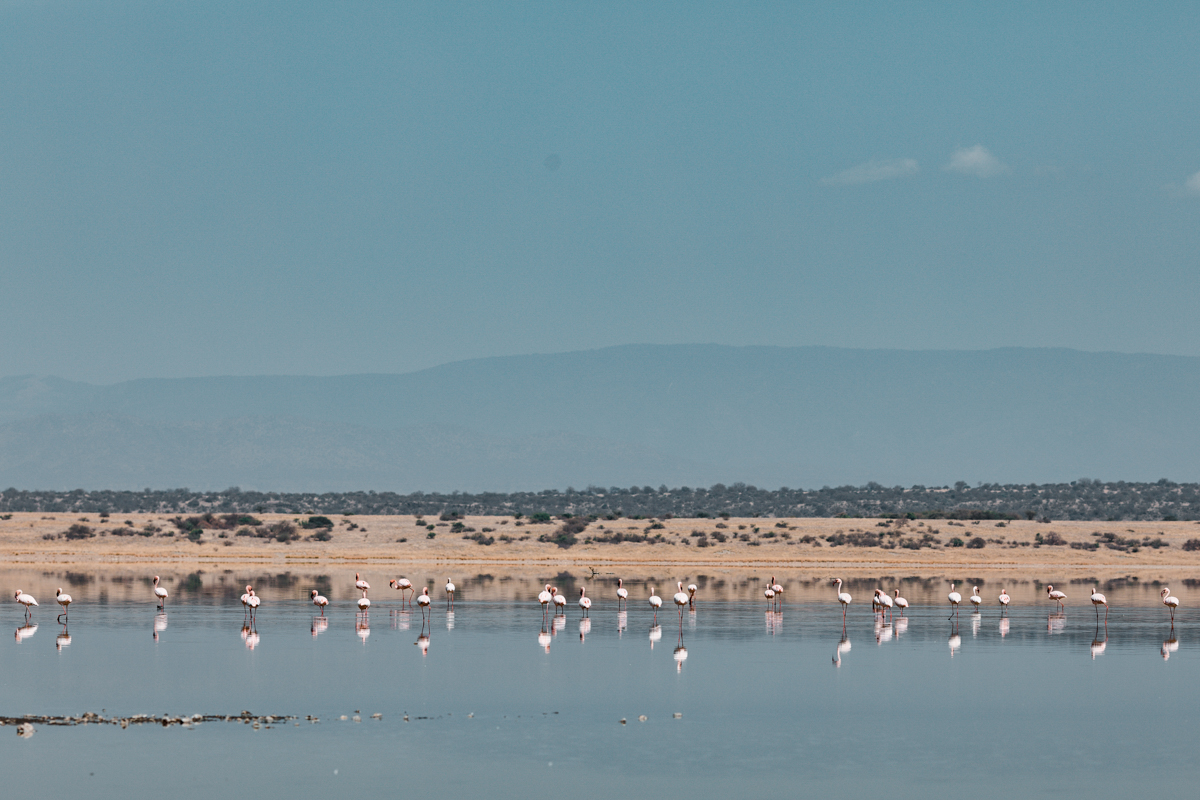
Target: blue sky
column 207, row 188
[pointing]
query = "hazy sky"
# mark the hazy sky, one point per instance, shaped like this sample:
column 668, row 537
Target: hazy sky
column 244, row 188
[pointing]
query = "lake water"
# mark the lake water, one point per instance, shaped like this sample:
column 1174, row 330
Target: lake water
column 785, row 704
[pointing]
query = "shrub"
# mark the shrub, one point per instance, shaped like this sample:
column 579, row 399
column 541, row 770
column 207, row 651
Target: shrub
column 194, row 534
column 977, row 543
column 284, row 531
column 702, row 541
column 1191, row 544
column 323, row 535
column 540, row 516
column 955, row 542
column 720, row 537
column 317, row 522
column 452, row 515
column 77, row 531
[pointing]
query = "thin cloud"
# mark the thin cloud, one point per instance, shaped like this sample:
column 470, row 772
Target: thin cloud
column 977, row 161
column 1192, row 184
column 874, row 171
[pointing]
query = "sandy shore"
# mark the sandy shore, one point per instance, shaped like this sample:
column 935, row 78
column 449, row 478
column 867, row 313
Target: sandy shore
column 383, row 547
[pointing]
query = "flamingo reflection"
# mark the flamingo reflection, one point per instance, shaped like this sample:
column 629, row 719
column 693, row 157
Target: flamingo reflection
column 401, row 620
column 976, row 621
column 362, row 627
column 449, row 620
column 25, row 631
column 1099, row 644
column 843, row 646
column 319, row 626
column 558, row 624
column 1169, row 645
column 680, row 657
column 955, row 641
column 585, row 627
column 622, row 621
column 1003, row 627
column 63, row 639
column 774, row 620
column 1056, row 623
column 544, row 639
column 423, row 638
column 655, row 635
column 250, row 636
column 901, row 625
column 883, row 630
column 160, row 623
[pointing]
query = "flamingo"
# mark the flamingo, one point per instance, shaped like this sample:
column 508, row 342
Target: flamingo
column 622, row 594
column 560, row 601
column 1056, row 596
column 778, row 590
column 25, row 600
column 681, row 600
column 1004, row 599
column 585, row 602
column 843, row 598
column 656, row 604
column 1167, row 600
column 976, row 600
column 318, row 601
column 769, row 593
column 360, row 584
column 403, row 584
column 450, row 594
column 545, row 598
column 692, row 589
column 246, row 598
column 955, row 598
column 885, row 602
column 253, row 603
column 63, row 600
column 1099, row 600
column 160, row 593
column 901, row 603
column 423, row 600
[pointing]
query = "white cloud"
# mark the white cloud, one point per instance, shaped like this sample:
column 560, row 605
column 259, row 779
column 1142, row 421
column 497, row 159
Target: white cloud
column 874, row 171
column 977, row 161
column 1192, row 184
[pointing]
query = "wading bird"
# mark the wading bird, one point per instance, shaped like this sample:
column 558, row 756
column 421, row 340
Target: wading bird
column 955, row 598
column 901, row 603
column 403, row 584
column 681, row 600
column 246, row 599
column 692, row 589
column 1099, row 600
column 976, row 600
column 318, row 601
column 622, row 594
column 769, row 593
column 25, row 600
column 843, row 598
column 423, row 599
column 885, row 602
column 656, row 604
column 545, row 597
column 360, row 584
column 560, row 601
column 63, row 600
column 778, row 590
column 1167, row 600
column 1004, row 599
column 585, row 602
column 254, row 603
column 1056, row 596
column 160, row 594
column 449, row 594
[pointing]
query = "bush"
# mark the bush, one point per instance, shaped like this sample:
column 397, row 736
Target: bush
column 194, row 534
column 955, row 542
column 540, row 516
column 323, row 535
column 447, row 516
column 977, row 543
column 284, row 531
column 77, row 532
column 702, row 541
column 720, row 537
column 317, row 522
column 1191, row 544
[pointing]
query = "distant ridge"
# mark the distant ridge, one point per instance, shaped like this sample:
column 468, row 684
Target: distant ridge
column 692, row 415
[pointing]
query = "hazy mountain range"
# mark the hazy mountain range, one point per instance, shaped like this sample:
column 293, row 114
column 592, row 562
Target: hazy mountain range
column 640, row 414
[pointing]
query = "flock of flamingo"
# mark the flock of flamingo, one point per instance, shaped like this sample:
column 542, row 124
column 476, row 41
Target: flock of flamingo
column 883, row 605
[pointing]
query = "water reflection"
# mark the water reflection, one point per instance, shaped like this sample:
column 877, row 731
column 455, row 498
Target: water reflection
column 449, row 620
column 883, row 631
column 1098, row 644
column 585, row 627
column 160, row 623
column 250, row 635
column 1056, row 623
column 901, row 625
column 622, row 621
column 843, row 646
column 1003, row 626
column 681, row 655
column 1169, row 645
column 63, row 639
column 25, row 631
column 401, row 620
column 976, row 621
column 655, row 635
column 362, row 626
column 423, row 638
column 545, row 638
column 319, row 626
column 774, row 620
column 955, row 640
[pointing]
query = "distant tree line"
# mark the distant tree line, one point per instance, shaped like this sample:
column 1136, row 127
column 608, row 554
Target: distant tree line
column 1082, row 500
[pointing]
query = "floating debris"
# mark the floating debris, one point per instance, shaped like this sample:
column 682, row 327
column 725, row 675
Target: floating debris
column 642, row 718
column 677, row 715
column 377, row 716
column 25, row 730
column 622, row 720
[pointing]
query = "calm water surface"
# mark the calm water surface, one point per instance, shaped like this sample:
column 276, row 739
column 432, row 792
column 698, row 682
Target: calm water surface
column 783, row 703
